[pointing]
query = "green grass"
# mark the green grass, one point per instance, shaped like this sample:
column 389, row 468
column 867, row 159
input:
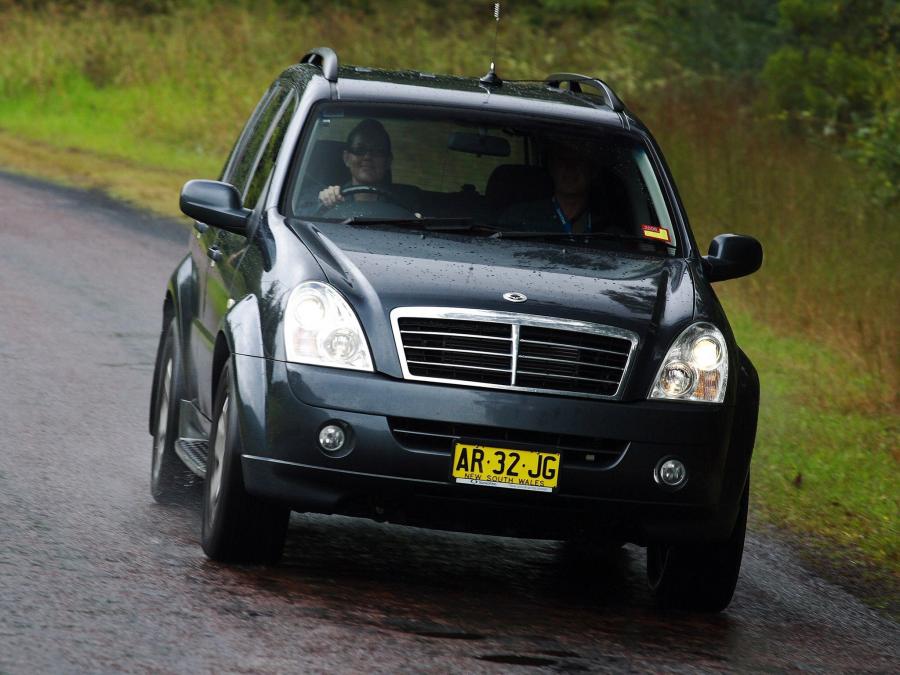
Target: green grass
column 110, row 123
column 831, row 251
column 819, row 466
column 136, row 105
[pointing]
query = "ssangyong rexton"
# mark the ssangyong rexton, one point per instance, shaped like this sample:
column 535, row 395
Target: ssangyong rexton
column 436, row 343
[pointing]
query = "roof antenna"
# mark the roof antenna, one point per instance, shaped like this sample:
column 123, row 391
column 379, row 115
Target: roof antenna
column 490, row 78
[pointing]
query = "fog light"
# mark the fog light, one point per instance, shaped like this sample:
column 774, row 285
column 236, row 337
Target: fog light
column 670, row 473
column 332, row 438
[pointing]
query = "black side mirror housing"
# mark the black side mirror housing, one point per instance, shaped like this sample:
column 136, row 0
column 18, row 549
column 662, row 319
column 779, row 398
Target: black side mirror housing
column 732, row 256
column 214, row 203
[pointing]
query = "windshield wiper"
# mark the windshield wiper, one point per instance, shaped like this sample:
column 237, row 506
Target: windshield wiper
column 462, row 225
column 507, row 234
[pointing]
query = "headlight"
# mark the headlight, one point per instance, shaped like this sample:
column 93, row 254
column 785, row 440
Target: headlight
column 695, row 368
column 320, row 328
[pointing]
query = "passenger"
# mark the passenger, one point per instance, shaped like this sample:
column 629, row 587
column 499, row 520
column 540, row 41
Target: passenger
column 368, row 157
column 570, row 208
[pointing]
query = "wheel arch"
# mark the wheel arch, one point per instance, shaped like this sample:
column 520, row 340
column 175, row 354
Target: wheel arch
column 221, row 354
column 240, row 340
column 743, row 432
column 743, row 436
column 177, row 305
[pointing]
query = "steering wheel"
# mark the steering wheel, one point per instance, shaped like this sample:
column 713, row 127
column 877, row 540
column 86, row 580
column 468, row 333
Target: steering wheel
column 368, row 189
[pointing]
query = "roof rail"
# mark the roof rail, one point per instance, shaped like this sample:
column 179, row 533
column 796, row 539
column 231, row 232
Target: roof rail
column 325, row 59
column 575, row 81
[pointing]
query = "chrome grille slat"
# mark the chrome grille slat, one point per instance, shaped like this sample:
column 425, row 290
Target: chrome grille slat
column 559, row 356
column 461, row 335
column 460, row 365
column 579, row 363
column 516, row 332
column 460, row 351
column 563, row 345
column 567, row 377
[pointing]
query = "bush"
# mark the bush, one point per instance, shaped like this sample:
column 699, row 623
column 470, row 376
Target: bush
column 835, row 74
column 705, row 36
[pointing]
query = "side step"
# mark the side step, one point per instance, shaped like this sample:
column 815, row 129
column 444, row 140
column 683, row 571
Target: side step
column 192, row 452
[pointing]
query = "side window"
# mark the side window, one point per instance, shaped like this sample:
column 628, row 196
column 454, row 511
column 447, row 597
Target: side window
column 245, row 159
column 270, row 152
column 245, row 133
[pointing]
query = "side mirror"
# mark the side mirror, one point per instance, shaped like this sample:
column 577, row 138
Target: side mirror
column 732, row 256
column 214, row 203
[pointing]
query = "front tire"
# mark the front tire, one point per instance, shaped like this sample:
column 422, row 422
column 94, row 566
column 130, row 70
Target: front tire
column 170, row 479
column 699, row 576
column 237, row 527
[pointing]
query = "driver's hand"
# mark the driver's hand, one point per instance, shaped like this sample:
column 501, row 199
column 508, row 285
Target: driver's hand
column 331, row 195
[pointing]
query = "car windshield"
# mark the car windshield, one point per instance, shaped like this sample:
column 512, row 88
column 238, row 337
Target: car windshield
column 500, row 176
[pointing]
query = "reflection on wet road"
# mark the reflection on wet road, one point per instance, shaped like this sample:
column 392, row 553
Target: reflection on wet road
column 94, row 576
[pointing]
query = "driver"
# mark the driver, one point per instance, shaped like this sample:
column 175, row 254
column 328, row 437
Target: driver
column 368, row 156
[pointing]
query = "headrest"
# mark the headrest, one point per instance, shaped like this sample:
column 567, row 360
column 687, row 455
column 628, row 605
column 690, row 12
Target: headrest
column 511, row 183
column 325, row 167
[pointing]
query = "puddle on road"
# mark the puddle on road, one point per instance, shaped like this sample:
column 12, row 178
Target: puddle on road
column 133, row 366
column 517, row 660
column 450, row 635
column 560, row 654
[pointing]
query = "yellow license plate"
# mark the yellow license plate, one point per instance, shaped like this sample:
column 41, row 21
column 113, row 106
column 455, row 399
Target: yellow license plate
column 478, row 464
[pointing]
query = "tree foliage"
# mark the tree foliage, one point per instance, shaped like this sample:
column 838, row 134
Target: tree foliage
column 829, row 67
column 707, row 36
column 836, row 71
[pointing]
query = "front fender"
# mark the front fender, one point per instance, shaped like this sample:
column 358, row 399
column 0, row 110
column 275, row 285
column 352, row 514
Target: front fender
column 241, row 340
column 242, row 329
column 743, row 437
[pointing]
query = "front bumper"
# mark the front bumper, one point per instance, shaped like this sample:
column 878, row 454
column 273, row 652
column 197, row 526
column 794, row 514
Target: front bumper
column 283, row 407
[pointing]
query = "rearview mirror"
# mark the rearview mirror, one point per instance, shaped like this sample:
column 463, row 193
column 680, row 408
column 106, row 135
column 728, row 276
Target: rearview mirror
column 478, row 144
column 732, row 256
column 214, row 203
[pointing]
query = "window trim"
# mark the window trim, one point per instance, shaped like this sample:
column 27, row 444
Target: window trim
column 250, row 131
column 245, row 132
column 279, row 115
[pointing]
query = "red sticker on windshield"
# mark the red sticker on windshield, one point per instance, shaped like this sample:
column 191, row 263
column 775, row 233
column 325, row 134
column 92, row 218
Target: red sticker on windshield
column 655, row 232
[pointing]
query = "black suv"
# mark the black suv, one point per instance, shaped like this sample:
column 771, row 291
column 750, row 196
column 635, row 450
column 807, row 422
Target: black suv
column 456, row 303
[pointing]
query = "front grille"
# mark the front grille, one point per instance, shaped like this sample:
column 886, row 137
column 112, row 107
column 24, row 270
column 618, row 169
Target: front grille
column 474, row 351
column 439, row 437
column 579, row 362
column 513, row 351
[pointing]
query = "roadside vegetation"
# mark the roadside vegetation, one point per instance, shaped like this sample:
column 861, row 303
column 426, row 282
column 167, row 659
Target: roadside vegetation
column 780, row 120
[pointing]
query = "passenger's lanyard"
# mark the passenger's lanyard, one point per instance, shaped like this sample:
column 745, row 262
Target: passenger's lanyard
column 566, row 223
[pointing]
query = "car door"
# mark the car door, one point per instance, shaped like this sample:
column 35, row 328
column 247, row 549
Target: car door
column 232, row 246
column 248, row 174
column 204, row 247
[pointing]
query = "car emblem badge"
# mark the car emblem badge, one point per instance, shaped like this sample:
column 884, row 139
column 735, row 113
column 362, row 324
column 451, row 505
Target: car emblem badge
column 515, row 297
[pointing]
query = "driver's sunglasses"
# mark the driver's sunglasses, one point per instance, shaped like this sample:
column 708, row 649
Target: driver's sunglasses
column 373, row 150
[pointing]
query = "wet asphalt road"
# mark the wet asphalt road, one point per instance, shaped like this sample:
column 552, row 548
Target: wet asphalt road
column 96, row 577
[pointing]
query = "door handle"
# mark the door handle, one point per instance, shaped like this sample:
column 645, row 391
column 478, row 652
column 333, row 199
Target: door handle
column 214, row 253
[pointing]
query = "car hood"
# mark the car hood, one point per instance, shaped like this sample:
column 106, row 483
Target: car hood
column 378, row 270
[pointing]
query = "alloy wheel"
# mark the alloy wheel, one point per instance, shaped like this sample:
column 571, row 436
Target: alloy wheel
column 215, row 471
